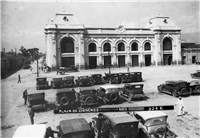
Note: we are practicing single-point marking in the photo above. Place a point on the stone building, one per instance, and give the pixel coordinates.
(70, 43)
(190, 53)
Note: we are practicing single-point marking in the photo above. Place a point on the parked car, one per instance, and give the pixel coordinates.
(84, 81)
(88, 96)
(57, 82)
(118, 125)
(136, 76)
(125, 77)
(65, 99)
(68, 81)
(63, 70)
(26, 66)
(37, 100)
(113, 78)
(130, 91)
(96, 78)
(41, 82)
(109, 93)
(195, 86)
(175, 88)
(75, 128)
(34, 131)
(153, 124)
(196, 74)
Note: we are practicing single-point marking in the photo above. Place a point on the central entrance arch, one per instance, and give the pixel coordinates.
(67, 51)
(167, 51)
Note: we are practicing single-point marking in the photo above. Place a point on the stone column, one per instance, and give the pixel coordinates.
(114, 61)
(81, 52)
(128, 62)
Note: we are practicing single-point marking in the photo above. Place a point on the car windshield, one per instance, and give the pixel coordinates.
(89, 92)
(155, 121)
(41, 79)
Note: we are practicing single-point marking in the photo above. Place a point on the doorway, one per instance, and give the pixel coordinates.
(121, 61)
(167, 59)
(147, 60)
(67, 61)
(193, 59)
(183, 60)
(92, 62)
(107, 61)
(135, 62)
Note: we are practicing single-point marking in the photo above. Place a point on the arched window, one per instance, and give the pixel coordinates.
(92, 47)
(121, 47)
(67, 45)
(106, 47)
(167, 44)
(147, 46)
(134, 47)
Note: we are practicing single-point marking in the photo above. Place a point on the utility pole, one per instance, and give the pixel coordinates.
(37, 64)
(109, 63)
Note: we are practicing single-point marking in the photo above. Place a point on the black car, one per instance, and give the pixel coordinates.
(196, 74)
(109, 93)
(136, 76)
(175, 88)
(65, 99)
(125, 77)
(132, 91)
(88, 96)
(68, 81)
(96, 78)
(37, 100)
(41, 82)
(195, 86)
(112, 78)
(63, 70)
(84, 81)
(57, 82)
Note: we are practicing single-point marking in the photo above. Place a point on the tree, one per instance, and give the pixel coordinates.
(24, 52)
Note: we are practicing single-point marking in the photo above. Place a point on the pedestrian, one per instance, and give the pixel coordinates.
(180, 106)
(50, 133)
(92, 134)
(19, 79)
(31, 114)
(128, 69)
(25, 95)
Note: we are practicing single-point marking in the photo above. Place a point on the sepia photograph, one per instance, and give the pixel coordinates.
(100, 69)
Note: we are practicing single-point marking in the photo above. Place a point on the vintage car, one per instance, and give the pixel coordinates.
(63, 70)
(109, 93)
(132, 91)
(112, 78)
(125, 77)
(57, 82)
(37, 100)
(153, 124)
(88, 96)
(65, 99)
(84, 81)
(136, 76)
(75, 128)
(41, 82)
(117, 125)
(31, 131)
(175, 88)
(195, 86)
(68, 81)
(196, 74)
(96, 78)
(26, 66)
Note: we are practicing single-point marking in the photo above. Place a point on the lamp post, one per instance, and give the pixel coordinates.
(37, 63)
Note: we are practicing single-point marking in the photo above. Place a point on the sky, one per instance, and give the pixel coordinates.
(23, 22)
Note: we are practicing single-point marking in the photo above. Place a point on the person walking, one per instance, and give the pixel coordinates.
(31, 114)
(19, 79)
(128, 69)
(25, 95)
(180, 106)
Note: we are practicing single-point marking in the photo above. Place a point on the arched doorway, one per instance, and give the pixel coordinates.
(167, 51)
(107, 59)
(67, 46)
(92, 59)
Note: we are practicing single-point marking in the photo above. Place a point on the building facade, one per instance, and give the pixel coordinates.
(70, 43)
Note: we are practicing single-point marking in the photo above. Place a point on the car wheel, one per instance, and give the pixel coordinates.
(64, 101)
(197, 90)
(184, 90)
(89, 101)
(139, 78)
(174, 93)
(159, 132)
(113, 96)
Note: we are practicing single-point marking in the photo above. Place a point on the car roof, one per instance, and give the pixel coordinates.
(94, 74)
(120, 117)
(64, 90)
(41, 77)
(109, 86)
(128, 84)
(150, 114)
(74, 125)
(34, 131)
(87, 88)
(175, 81)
